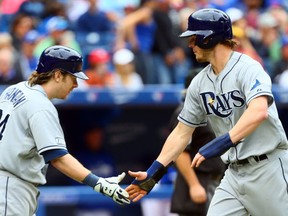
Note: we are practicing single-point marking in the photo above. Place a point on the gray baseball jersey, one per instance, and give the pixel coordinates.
(222, 100)
(29, 125)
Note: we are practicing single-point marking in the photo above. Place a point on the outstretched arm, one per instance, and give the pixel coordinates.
(174, 145)
(72, 168)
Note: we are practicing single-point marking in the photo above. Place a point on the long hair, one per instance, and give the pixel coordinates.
(232, 43)
(41, 78)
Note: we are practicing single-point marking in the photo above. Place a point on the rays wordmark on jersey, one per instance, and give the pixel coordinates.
(222, 105)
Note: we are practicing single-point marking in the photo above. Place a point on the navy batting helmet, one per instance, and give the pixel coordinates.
(63, 58)
(210, 26)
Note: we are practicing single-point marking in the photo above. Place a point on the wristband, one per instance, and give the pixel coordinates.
(91, 180)
(216, 147)
(155, 172)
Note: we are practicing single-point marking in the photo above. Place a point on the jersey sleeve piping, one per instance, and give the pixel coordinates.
(51, 147)
(267, 93)
(190, 123)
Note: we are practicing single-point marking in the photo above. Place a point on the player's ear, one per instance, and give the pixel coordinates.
(57, 75)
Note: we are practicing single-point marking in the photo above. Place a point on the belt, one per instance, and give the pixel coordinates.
(246, 161)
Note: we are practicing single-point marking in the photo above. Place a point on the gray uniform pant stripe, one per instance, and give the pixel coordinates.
(6, 194)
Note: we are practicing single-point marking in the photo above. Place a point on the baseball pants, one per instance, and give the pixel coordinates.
(17, 197)
(256, 188)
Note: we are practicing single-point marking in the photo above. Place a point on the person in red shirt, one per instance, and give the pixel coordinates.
(98, 69)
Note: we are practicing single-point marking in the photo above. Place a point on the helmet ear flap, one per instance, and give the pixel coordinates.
(208, 42)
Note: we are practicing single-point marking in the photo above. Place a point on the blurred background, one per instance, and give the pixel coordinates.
(118, 120)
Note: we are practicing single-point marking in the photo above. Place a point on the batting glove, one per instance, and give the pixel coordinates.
(109, 187)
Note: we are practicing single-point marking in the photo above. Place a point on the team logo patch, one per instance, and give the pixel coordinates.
(257, 83)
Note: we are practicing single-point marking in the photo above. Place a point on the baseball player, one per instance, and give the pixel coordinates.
(31, 137)
(234, 94)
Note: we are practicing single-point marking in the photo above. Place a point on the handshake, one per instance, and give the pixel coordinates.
(141, 186)
(110, 187)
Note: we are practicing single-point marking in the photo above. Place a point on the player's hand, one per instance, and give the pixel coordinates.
(110, 187)
(197, 160)
(198, 194)
(134, 191)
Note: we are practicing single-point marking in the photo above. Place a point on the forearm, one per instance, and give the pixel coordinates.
(175, 143)
(71, 167)
(183, 164)
(256, 113)
(138, 16)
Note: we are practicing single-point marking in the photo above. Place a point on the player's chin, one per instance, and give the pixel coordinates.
(200, 59)
(67, 94)
(63, 97)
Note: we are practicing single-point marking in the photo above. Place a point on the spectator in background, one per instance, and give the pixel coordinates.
(280, 14)
(181, 25)
(240, 33)
(282, 79)
(59, 34)
(27, 60)
(15, 69)
(75, 8)
(268, 44)
(20, 25)
(252, 10)
(98, 69)
(280, 69)
(8, 74)
(95, 20)
(189, 6)
(5, 40)
(8, 9)
(95, 28)
(33, 8)
(136, 31)
(222, 5)
(51, 8)
(125, 75)
(171, 65)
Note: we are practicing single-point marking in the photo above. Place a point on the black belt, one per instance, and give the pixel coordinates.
(256, 158)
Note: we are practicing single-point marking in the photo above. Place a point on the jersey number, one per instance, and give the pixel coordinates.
(3, 123)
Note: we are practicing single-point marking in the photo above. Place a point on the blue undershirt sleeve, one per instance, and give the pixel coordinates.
(53, 154)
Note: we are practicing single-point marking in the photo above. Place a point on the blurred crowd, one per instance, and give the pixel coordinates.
(130, 43)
